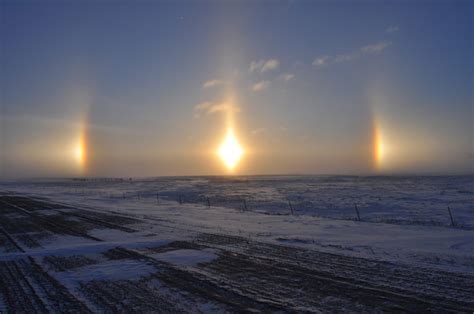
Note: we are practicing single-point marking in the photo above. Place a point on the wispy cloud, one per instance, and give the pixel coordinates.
(270, 65)
(264, 65)
(346, 57)
(321, 61)
(208, 107)
(260, 86)
(286, 77)
(371, 49)
(256, 65)
(203, 105)
(375, 48)
(392, 29)
(222, 107)
(212, 83)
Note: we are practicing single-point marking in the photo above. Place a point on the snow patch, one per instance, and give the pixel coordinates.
(111, 270)
(64, 241)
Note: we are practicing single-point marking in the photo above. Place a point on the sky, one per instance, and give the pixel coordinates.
(151, 88)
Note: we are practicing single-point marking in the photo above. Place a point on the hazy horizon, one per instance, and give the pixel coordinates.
(230, 176)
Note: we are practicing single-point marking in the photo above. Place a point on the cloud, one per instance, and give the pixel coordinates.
(264, 65)
(212, 83)
(321, 61)
(260, 86)
(328, 60)
(256, 65)
(203, 106)
(346, 57)
(371, 49)
(222, 107)
(270, 65)
(375, 48)
(286, 77)
(208, 107)
(392, 29)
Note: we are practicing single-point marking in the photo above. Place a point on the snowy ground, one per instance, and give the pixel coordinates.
(396, 200)
(156, 244)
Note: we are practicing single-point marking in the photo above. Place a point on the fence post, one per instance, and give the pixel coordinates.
(451, 216)
(291, 207)
(357, 211)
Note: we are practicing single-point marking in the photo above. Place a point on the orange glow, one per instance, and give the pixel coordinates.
(80, 149)
(79, 153)
(230, 150)
(378, 146)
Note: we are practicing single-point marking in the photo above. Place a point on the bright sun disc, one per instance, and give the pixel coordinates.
(79, 153)
(230, 150)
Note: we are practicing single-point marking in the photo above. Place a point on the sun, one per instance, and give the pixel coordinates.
(379, 147)
(79, 153)
(379, 150)
(230, 150)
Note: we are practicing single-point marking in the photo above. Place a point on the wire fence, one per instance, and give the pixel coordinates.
(374, 206)
(288, 207)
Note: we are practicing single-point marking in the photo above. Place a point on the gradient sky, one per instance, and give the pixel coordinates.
(313, 87)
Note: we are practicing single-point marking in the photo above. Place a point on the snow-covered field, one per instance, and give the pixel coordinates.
(395, 200)
(204, 240)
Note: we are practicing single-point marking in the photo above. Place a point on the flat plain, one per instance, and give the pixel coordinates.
(247, 244)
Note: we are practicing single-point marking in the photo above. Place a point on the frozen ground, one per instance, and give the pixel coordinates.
(219, 244)
(395, 200)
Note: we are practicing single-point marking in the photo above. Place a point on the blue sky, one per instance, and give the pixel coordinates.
(316, 86)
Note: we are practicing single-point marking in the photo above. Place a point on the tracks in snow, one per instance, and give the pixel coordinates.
(29, 220)
(309, 278)
(246, 276)
(27, 288)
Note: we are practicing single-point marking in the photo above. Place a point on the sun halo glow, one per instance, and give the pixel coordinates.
(230, 150)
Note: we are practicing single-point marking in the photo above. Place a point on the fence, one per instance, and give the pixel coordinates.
(280, 207)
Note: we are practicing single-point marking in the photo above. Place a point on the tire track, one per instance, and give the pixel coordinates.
(33, 204)
(27, 288)
(378, 278)
(11, 241)
(52, 226)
